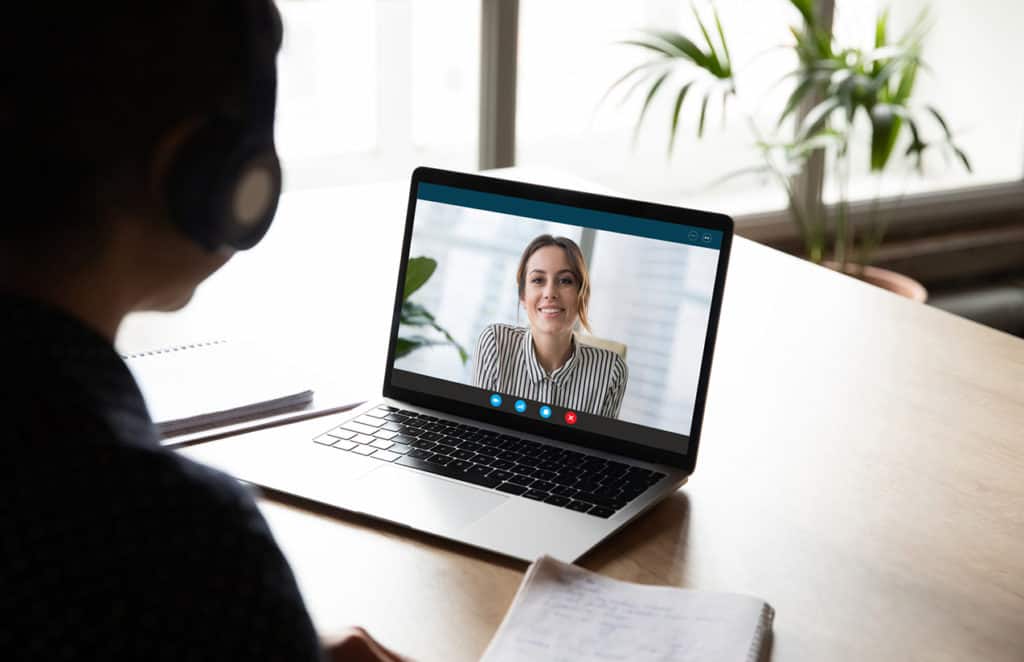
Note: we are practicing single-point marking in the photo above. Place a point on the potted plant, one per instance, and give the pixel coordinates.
(836, 85)
(417, 273)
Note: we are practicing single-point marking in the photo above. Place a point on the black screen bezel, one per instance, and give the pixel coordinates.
(653, 211)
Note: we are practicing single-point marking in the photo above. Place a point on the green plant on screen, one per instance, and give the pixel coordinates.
(417, 273)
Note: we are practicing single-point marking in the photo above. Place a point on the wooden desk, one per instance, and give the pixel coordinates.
(861, 467)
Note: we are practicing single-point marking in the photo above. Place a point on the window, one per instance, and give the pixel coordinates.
(973, 51)
(568, 58)
(368, 89)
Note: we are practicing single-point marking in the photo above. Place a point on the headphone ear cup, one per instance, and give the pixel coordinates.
(223, 186)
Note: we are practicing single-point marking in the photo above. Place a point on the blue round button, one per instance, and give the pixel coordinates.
(545, 412)
(495, 400)
(520, 406)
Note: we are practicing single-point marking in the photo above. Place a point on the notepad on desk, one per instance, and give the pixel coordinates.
(564, 613)
(210, 384)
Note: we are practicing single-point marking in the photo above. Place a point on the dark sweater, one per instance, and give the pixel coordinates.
(113, 548)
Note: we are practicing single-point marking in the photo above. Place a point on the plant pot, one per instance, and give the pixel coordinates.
(897, 283)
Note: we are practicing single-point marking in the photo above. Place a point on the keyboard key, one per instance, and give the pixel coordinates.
(579, 506)
(370, 420)
(384, 434)
(363, 439)
(464, 476)
(511, 488)
(383, 444)
(540, 474)
(500, 475)
(403, 439)
(326, 440)
(388, 408)
(608, 492)
(563, 490)
(425, 445)
(444, 449)
(440, 460)
(360, 428)
(345, 445)
(460, 464)
(502, 464)
(341, 433)
(536, 495)
(394, 427)
(419, 454)
(480, 458)
(543, 485)
(600, 511)
(430, 436)
(364, 450)
(525, 481)
(556, 500)
(386, 456)
(565, 478)
(461, 454)
(378, 413)
(478, 469)
(399, 448)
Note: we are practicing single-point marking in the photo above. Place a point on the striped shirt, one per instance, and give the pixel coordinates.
(592, 380)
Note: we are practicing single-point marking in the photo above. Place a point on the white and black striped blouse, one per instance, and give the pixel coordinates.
(593, 380)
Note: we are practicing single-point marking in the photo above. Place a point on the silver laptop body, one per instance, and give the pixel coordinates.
(369, 461)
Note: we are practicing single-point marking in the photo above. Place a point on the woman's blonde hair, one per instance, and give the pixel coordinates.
(577, 265)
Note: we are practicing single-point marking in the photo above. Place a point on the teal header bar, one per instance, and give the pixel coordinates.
(588, 218)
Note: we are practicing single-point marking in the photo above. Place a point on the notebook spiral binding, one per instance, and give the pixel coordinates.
(175, 348)
(761, 635)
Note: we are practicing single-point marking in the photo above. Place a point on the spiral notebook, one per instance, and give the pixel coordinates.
(564, 613)
(211, 384)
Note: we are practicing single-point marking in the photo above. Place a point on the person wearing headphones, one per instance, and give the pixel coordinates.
(138, 157)
(544, 362)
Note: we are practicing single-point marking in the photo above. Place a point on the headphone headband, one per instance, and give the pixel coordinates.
(224, 183)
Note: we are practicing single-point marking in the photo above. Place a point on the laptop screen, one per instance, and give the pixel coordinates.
(557, 315)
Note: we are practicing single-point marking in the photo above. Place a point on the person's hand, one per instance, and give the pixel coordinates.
(356, 645)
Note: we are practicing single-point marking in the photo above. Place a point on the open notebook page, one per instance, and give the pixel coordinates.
(564, 613)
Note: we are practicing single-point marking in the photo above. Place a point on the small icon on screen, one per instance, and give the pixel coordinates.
(570, 417)
(520, 406)
(495, 400)
(706, 238)
(692, 235)
(545, 411)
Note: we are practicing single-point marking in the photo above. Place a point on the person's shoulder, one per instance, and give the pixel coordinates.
(500, 331)
(197, 486)
(604, 356)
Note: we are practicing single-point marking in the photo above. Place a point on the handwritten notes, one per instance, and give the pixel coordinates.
(563, 613)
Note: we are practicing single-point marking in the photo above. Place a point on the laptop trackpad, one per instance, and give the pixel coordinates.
(421, 501)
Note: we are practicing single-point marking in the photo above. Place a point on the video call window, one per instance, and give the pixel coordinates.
(603, 323)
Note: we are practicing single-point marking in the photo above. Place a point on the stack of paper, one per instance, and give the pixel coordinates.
(563, 613)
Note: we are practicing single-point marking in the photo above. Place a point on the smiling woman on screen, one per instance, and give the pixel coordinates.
(545, 362)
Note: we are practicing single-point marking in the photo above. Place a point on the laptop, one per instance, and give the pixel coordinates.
(546, 376)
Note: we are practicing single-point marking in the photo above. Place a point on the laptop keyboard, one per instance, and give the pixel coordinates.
(502, 462)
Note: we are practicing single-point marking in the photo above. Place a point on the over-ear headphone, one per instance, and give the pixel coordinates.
(224, 182)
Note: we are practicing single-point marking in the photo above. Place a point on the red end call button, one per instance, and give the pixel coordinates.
(570, 417)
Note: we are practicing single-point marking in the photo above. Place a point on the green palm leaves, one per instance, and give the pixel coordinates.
(417, 273)
(709, 60)
(837, 93)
